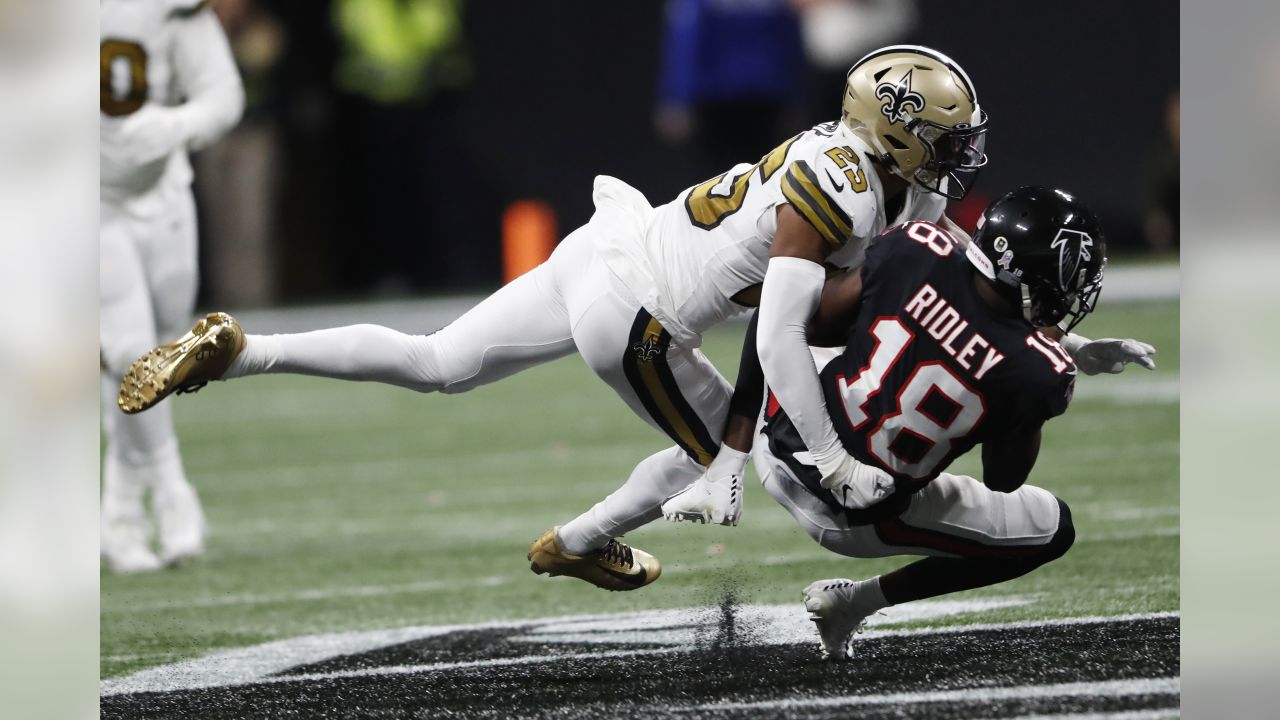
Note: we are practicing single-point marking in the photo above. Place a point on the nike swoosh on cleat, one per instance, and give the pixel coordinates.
(628, 578)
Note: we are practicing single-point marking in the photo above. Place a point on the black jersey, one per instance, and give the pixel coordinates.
(929, 372)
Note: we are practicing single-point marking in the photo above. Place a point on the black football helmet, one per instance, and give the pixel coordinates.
(1044, 252)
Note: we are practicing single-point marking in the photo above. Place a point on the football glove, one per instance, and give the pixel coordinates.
(1107, 355)
(716, 496)
(856, 485)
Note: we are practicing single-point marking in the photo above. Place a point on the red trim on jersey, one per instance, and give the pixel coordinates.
(771, 406)
(898, 403)
(911, 337)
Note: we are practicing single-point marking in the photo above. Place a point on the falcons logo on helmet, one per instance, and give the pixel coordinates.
(899, 98)
(1072, 256)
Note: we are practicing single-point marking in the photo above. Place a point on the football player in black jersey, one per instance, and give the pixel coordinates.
(947, 347)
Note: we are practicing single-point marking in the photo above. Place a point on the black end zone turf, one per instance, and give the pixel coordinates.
(676, 683)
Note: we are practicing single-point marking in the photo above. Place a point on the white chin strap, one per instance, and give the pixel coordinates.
(1026, 303)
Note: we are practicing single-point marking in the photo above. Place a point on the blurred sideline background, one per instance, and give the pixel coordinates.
(385, 141)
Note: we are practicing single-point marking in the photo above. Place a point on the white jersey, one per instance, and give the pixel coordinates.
(702, 257)
(160, 52)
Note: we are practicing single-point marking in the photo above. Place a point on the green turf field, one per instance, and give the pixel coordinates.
(338, 506)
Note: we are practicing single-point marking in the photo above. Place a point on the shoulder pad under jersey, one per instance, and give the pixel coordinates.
(829, 189)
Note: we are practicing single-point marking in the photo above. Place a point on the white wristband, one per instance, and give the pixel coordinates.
(1072, 342)
(728, 462)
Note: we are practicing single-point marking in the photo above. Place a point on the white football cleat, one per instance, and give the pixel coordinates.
(833, 608)
(125, 549)
(705, 501)
(181, 521)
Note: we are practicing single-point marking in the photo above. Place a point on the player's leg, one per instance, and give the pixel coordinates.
(974, 536)
(521, 325)
(126, 330)
(675, 390)
(169, 251)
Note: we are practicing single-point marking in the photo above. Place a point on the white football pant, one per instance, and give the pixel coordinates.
(952, 516)
(570, 302)
(147, 290)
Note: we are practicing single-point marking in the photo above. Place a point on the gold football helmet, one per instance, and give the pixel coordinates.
(918, 111)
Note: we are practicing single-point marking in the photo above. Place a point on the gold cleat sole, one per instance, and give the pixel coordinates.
(184, 365)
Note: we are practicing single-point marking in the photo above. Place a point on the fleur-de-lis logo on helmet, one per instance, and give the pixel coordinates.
(898, 98)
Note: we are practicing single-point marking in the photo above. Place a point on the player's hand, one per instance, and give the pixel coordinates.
(856, 485)
(1110, 355)
(150, 134)
(716, 496)
(716, 501)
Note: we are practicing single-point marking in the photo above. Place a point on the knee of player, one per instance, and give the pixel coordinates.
(1065, 536)
(435, 367)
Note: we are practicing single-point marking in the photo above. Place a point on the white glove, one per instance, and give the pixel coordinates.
(152, 133)
(855, 485)
(716, 496)
(1108, 355)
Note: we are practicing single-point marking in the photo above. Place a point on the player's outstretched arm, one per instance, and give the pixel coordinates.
(1107, 355)
(789, 299)
(788, 302)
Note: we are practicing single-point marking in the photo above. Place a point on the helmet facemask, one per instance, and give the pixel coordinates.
(917, 110)
(1044, 305)
(953, 155)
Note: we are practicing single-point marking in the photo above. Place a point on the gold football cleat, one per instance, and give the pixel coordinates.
(616, 566)
(184, 365)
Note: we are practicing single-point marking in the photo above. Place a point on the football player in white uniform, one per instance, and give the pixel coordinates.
(169, 85)
(633, 290)
(914, 117)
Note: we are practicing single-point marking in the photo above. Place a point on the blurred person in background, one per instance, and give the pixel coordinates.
(401, 67)
(730, 69)
(838, 32)
(1161, 183)
(237, 177)
(168, 86)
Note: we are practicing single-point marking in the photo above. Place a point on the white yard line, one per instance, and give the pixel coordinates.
(496, 662)
(1123, 715)
(1122, 536)
(313, 594)
(1120, 512)
(1134, 387)
(1107, 688)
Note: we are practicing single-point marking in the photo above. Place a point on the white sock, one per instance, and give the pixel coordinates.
(638, 502)
(180, 518)
(355, 352)
(868, 596)
(122, 492)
